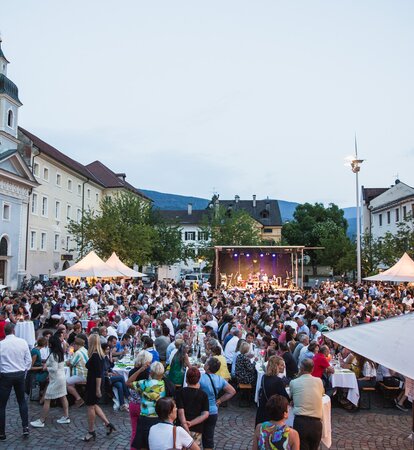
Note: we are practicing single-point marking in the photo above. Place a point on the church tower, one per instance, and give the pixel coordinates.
(9, 105)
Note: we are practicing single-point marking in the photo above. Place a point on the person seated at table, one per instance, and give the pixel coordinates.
(347, 360)
(193, 406)
(308, 352)
(179, 362)
(74, 332)
(245, 369)
(274, 433)
(270, 384)
(116, 380)
(321, 367)
(290, 364)
(165, 434)
(368, 372)
(79, 372)
(223, 371)
(122, 346)
(236, 354)
(148, 345)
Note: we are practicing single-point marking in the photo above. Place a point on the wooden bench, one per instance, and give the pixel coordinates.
(246, 391)
(368, 391)
(389, 393)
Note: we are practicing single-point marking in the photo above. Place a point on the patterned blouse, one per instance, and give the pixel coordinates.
(151, 391)
(273, 437)
(245, 370)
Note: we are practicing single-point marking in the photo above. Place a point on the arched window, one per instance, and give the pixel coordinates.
(3, 247)
(10, 118)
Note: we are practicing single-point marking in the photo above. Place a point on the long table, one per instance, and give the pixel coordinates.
(345, 378)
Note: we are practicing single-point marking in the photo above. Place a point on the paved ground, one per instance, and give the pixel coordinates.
(382, 429)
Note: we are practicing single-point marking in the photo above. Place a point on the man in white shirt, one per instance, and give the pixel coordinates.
(15, 360)
(231, 345)
(93, 304)
(123, 324)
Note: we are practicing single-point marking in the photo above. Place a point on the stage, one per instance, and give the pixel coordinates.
(259, 267)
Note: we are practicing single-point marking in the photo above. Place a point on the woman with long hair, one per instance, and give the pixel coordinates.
(95, 366)
(178, 364)
(270, 384)
(57, 383)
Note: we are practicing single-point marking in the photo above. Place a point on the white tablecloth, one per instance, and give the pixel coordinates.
(346, 379)
(26, 331)
(201, 369)
(84, 323)
(260, 374)
(123, 371)
(326, 421)
(68, 316)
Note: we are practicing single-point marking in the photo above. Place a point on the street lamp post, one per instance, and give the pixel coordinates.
(356, 167)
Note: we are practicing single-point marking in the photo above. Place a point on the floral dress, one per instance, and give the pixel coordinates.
(273, 437)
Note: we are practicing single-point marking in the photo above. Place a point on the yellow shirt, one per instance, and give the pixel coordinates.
(223, 371)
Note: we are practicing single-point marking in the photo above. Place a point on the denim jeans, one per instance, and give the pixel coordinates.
(119, 383)
(15, 380)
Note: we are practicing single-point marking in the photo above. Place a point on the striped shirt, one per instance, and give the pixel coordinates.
(78, 362)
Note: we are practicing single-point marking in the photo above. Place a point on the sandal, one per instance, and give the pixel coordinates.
(91, 436)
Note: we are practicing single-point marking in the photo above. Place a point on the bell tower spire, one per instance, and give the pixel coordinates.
(9, 105)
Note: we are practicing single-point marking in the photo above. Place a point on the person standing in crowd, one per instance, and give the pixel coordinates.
(95, 366)
(57, 383)
(212, 384)
(139, 372)
(270, 384)
(274, 433)
(193, 406)
(179, 363)
(15, 360)
(307, 392)
(165, 434)
(162, 341)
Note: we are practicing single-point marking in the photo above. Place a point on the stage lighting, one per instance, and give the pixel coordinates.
(247, 254)
(235, 255)
(261, 255)
(273, 255)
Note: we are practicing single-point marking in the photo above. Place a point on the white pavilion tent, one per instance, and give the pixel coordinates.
(90, 266)
(402, 271)
(117, 264)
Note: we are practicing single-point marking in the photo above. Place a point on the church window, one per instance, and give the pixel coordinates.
(46, 174)
(58, 179)
(43, 241)
(33, 240)
(3, 247)
(69, 185)
(10, 118)
(6, 211)
(44, 206)
(34, 203)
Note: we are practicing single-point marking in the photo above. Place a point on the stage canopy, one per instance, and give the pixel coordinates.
(90, 266)
(388, 342)
(118, 265)
(402, 271)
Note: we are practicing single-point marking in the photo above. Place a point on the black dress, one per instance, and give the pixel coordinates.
(270, 385)
(95, 366)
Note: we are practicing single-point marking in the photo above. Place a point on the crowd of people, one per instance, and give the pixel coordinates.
(192, 348)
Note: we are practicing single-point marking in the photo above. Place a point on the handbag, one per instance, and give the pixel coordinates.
(263, 391)
(174, 439)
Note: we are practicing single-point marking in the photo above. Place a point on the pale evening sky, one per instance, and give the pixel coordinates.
(249, 97)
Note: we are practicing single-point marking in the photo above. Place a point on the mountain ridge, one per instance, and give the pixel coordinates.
(167, 201)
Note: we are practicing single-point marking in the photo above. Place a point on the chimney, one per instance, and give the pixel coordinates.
(190, 209)
(267, 204)
(121, 176)
(236, 199)
(254, 201)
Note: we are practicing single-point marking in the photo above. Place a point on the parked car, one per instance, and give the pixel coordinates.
(191, 278)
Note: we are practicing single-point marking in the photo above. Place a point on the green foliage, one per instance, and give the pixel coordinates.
(127, 225)
(386, 250)
(223, 227)
(317, 226)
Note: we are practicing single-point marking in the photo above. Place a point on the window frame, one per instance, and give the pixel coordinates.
(4, 207)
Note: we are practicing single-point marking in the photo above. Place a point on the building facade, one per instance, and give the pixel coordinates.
(384, 209)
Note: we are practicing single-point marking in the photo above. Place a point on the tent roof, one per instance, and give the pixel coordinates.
(387, 342)
(118, 265)
(90, 266)
(402, 271)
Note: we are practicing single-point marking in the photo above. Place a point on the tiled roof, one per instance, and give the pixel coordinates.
(369, 194)
(266, 211)
(110, 179)
(181, 216)
(54, 153)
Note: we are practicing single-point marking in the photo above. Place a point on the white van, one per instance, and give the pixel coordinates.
(191, 278)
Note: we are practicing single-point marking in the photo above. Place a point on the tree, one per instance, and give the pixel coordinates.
(228, 227)
(127, 225)
(317, 226)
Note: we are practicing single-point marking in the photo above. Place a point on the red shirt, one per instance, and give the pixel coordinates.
(2, 333)
(320, 363)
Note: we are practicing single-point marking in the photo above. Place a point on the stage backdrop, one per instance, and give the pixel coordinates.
(253, 262)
